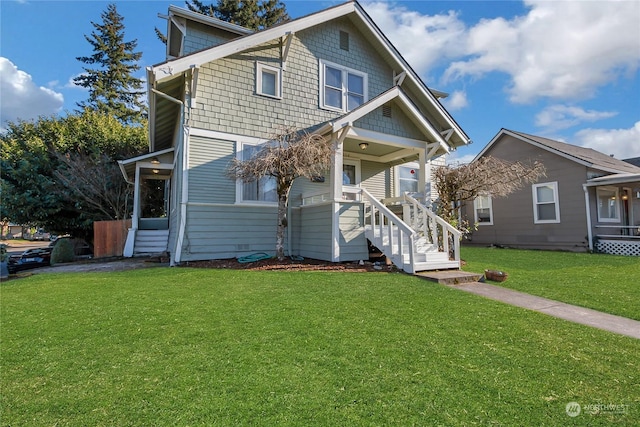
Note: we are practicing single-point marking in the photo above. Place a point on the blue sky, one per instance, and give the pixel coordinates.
(567, 70)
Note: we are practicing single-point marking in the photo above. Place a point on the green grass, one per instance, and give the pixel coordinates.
(178, 347)
(602, 282)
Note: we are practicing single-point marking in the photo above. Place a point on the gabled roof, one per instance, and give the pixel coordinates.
(361, 19)
(208, 20)
(635, 161)
(394, 94)
(585, 156)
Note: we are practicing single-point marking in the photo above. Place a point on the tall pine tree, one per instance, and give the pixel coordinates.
(252, 14)
(113, 89)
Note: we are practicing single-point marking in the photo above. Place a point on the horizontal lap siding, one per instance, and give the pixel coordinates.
(353, 243)
(208, 162)
(315, 234)
(376, 179)
(217, 232)
(513, 222)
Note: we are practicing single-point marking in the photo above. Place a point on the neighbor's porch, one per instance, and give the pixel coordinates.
(613, 214)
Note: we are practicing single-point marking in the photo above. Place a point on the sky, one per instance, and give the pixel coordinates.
(566, 70)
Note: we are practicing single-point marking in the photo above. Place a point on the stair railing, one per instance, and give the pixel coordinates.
(433, 228)
(384, 223)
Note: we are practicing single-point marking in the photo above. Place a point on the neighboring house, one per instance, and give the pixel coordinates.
(224, 90)
(587, 201)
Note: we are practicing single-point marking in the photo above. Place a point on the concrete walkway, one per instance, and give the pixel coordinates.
(572, 313)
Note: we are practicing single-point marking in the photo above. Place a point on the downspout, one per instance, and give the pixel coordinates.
(588, 207)
(182, 142)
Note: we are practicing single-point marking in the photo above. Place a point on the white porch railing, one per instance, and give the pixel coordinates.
(389, 233)
(434, 229)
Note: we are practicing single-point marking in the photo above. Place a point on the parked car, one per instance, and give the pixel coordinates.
(40, 234)
(31, 258)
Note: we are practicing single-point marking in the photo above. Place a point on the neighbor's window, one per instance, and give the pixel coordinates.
(608, 205)
(341, 88)
(483, 210)
(262, 190)
(545, 203)
(408, 179)
(268, 80)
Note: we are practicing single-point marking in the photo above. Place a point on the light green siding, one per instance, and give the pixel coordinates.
(376, 178)
(218, 232)
(227, 101)
(208, 162)
(200, 36)
(315, 233)
(353, 243)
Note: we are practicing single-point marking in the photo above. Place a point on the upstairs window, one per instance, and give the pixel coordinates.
(341, 88)
(268, 80)
(263, 190)
(545, 203)
(483, 210)
(608, 205)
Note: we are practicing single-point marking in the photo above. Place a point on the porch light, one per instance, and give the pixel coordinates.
(363, 145)
(155, 161)
(625, 197)
(156, 171)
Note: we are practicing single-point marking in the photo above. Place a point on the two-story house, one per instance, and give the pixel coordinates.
(224, 90)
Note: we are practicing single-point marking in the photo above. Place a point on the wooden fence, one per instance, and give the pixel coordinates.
(109, 238)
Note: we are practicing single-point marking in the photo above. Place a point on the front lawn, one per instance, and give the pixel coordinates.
(181, 346)
(602, 282)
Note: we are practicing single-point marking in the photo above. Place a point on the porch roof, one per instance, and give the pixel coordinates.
(128, 166)
(614, 179)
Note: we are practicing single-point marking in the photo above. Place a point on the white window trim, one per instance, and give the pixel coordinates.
(345, 70)
(356, 163)
(260, 67)
(475, 210)
(554, 185)
(617, 198)
(240, 144)
(396, 178)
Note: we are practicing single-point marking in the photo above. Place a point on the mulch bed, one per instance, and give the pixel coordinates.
(293, 265)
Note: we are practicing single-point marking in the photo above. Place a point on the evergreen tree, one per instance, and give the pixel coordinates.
(252, 14)
(113, 89)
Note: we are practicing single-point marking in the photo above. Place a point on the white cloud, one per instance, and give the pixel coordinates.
(556, 117)
(622, 143)
(456, 101)
(22, 98)
(559, 50)
(423, 40)
(455, 159)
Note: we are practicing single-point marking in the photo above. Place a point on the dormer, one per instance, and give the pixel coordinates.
(189, 31)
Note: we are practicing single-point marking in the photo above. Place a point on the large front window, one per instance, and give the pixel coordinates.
(341, 88)
(262, 190)
(545, 203)
(608, 204)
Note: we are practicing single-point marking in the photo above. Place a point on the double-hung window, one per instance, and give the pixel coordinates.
(608, 204)
(483, 210)
(545, 203)
(341, 88)
(262, 190)
(268, 80)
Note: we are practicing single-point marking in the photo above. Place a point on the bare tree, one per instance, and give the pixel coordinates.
(290, 154)
(96, 181)
(485, 176)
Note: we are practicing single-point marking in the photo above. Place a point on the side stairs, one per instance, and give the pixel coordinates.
(450, 277)
(150, 242)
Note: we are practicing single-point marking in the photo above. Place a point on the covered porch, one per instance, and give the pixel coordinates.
(150, 174)
(613, 214)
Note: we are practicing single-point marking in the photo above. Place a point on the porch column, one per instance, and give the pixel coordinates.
(422, 176)
(587, 205)
(336, 197)
(136, 199)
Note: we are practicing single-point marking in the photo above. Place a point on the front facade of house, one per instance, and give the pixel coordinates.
(224, 91)
(585, 199)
